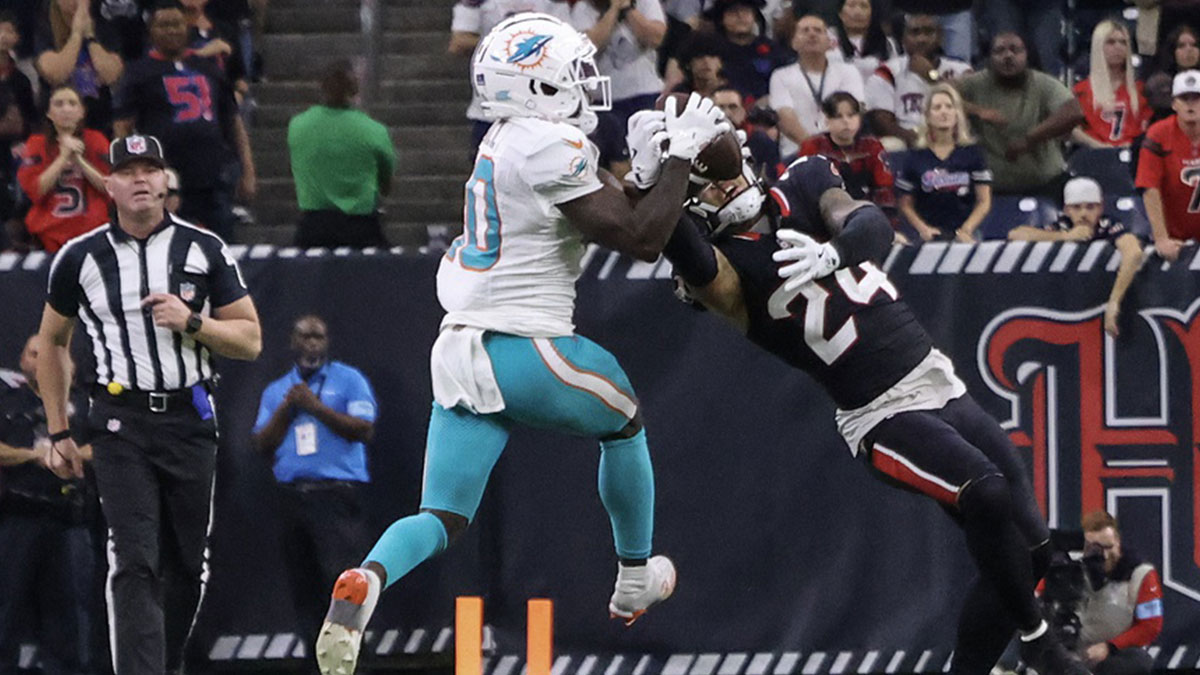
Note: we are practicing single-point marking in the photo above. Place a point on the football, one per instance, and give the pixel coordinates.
(721, 159)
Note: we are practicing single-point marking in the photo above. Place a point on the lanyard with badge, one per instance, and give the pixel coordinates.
(818, 92)
(306, 432)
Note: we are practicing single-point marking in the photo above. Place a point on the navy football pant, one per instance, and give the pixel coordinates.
(961, 458)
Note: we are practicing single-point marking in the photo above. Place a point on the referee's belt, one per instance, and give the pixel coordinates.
(154, 401)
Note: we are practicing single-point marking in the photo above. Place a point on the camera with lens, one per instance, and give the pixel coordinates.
(1067, 580)
(1063, 596)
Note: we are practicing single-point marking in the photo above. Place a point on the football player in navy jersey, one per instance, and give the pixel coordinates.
(831, 312)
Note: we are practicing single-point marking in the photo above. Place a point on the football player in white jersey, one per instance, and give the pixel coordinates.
(507, 353)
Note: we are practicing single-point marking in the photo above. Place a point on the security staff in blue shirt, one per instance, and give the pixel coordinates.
(315, 420)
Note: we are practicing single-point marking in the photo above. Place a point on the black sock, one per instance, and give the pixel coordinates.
(999, 549)
(633, 562)
(984, 630)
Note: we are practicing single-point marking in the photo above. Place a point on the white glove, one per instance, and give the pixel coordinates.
(809, 259)
(695, 127)
(741, 136)
(647, 133)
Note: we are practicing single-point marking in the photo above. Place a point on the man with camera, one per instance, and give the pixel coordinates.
(1121, 611)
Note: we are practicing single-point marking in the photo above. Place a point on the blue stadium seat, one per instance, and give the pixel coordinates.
(1132, 212)
(1109, 166)
(1009, 211)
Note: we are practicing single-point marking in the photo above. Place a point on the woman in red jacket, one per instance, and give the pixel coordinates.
(62, 171)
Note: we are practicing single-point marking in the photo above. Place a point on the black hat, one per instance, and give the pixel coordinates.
(125, 150)
(717, 10)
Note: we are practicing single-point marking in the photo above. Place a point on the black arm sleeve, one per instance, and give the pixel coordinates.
(866, 235)
(690, 254)
(62, 292)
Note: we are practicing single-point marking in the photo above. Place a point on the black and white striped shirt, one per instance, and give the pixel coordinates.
(102, 277)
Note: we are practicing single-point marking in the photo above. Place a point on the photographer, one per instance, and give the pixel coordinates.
(1121, 610)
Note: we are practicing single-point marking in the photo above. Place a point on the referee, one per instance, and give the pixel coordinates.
(157, 296)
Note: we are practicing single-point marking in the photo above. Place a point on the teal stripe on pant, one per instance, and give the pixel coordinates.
(572, 385)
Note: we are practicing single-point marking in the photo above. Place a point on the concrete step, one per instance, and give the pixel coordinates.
(431, 162)
(456, 90)
(328, 43)
(294, 92)
(307, 66)
(418, 42)
(441, 188)
(273, 234)
(451, 138)
(426, 67)
(317, 18)
(275, 190)
(426, 211)
(427, 16)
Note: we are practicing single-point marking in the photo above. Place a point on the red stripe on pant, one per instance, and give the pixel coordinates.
(900, 472)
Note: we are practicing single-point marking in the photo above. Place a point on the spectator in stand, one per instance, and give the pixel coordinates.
(703, 71)
(1082, 219)
(625, 33)
(857, 38)
(28, 15)
(955, 20)
(798, 90)
(250, 16)
(1115, 110)
(342, 162)
(860, 157)
(1041, 20)
(216, 40)
(17, 111)
(72, 49)
(945, 185)
(1181, 51)
(187, 103)
(1167, 169)
(123, 20)
(473, 19)
(683, 18)
(749, 57)
(62, 172)
(1019, 114)
(762, 140)
(897, 91)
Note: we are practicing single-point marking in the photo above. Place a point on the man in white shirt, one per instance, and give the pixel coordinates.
(896, 92)
(797, 90)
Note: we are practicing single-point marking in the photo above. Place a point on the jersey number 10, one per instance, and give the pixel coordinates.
(478, 247)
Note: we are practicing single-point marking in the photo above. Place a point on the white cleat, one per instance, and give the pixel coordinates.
(350, 609)
(640, 587)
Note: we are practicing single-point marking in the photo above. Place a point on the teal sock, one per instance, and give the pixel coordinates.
(627, 491)
(407, 543)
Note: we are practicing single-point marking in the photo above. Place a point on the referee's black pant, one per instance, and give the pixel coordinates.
(155, 476)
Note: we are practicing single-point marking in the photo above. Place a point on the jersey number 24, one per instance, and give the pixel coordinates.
(816, 308)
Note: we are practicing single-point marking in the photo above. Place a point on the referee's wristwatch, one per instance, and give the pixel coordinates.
(193, 324)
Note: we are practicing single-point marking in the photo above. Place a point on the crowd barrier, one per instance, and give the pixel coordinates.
(791, 558)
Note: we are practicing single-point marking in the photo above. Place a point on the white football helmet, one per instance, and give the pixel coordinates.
(534, 65)
(740, 207)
